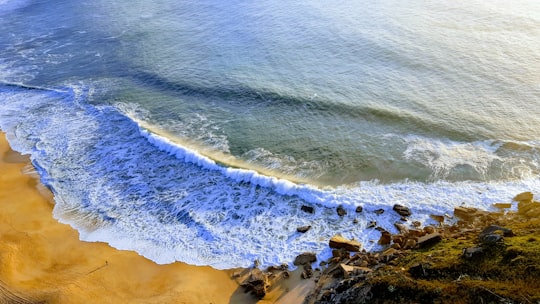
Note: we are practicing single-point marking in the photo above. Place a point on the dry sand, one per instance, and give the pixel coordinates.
(42, 260)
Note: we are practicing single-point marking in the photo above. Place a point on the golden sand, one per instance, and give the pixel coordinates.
(42, 260)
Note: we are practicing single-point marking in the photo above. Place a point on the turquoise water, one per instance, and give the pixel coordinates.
(180, 130)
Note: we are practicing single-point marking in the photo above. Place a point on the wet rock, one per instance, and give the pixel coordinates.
(372, 224)
(341, 211)
(526, 197)
(359, 209)
(338, 242)
(257, 283)
(386, 238)
(307, 209)
(428, 240)
(355, 221)
(303, 229)
(379, 211)
(305, 258)
(402, 210)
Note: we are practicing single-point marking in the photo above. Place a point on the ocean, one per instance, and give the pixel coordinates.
(195, 131)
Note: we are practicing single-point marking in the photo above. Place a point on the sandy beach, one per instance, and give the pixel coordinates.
(43, 261)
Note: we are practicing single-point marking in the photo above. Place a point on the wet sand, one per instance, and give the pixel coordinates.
(42, 260)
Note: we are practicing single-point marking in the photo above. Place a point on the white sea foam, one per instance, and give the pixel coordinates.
(116, 182)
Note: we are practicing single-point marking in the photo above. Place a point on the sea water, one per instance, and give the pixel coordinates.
(195, 131)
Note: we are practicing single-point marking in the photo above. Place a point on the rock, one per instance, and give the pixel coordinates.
(303, 229)
(379, 211)
(472, 252)
(465, 213)
(372, 224)
(419, 270)
(438, 218)
(494, 228)
(410, 244)
(307, 209)
(305, 258)
(502, 205)
(401, 228)
(257, 282)
(526, 197)
(429, 229)
(402, 210)
(416, 224)
(341, 211)
(355, 221)
(307, 273)
(359, 209)
(386, 238)
(428, 239)
(338, 242)
(349, 271)
(490, 238)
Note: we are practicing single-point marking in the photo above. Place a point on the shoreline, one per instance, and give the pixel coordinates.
(42, 260)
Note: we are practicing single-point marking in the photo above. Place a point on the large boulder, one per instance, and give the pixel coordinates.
(338, 242)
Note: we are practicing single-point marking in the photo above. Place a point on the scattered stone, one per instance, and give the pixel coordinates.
(386, 238)
(465, 213)
(372, 224)
(429, 229)
(472, 252)
(416, 224)
(303, 229)
(502, 205)
(526, 197)
(305, 258)
(410, 244)
(402, 210)
(401, 228)
(338, 242)
(438, 218)
(257, 283)
(490, 238)
(349, 270)
(307, 273)
(359, 209)
(307, 209)
(494, 228)
(429, 239)
(355, 221)
(379, 211)
(341, 211)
